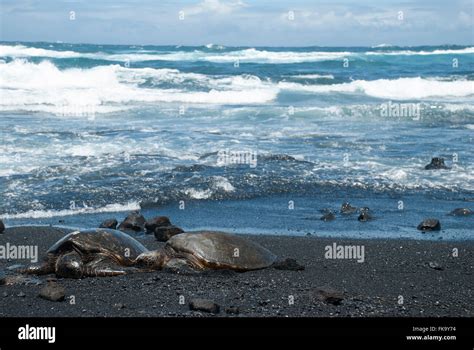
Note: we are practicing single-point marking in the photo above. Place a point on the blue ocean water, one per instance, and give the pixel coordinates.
(253, 140)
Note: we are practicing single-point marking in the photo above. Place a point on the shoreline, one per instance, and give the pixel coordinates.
(424, 273)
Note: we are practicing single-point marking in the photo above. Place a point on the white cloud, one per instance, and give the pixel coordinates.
(214, 6)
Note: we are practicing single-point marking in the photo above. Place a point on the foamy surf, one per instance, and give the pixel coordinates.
(398, 89)
(221, 54)
(41, 214)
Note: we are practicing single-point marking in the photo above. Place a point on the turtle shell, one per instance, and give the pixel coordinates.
(217, 250)
(113, 243)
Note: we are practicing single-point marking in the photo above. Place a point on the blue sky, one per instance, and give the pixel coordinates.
(240, 22)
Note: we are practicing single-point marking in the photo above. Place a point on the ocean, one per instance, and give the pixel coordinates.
(241, 139)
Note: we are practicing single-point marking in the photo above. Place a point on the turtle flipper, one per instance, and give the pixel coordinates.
(103, 266)
(102, 272)
(37, 269)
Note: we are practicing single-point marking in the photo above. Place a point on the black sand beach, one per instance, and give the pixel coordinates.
(395, 279)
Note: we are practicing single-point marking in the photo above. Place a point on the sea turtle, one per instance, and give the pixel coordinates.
(207, 250)
(106, 252)
(98, 252)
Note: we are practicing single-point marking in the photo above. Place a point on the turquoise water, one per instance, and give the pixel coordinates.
(99, 129)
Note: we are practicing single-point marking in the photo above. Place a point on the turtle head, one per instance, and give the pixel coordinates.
(154, 259)
(69, 266)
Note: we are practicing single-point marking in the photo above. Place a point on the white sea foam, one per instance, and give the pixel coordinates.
(41, 214)
(467, 50)
(222, 183)
(312, 76)
(198, 194)
(18, 51)
(245, 55)
(43, 87)
(402, 88)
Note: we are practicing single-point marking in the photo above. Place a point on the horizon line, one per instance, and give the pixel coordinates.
(232, 46)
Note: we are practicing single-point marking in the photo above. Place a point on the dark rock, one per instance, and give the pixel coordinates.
(233, 310)
(53, 292)
(329, 295)
(164, 233)
(429, 225)
(328, 216)
(21, 295)
(461, 212)
(120, 306)
(435, 266)
(158, 221)
(205, 305)
(133, 222)
(347, 208)
(2, 226)
(109, 223)
(3, 278)
(288, 264)
(436, 163)
(365, 215)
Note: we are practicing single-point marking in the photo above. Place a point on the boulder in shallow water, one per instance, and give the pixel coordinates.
(109, 223)
(164, 233)
(328, 216)
(365, 215)
(429, 225)
(461, 212)
(133, 222)
(347, 208)
(158, 221)
(436, 163)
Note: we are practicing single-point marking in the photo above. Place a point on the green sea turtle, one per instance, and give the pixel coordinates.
(106, 252)
(208, 250)
(98, 252)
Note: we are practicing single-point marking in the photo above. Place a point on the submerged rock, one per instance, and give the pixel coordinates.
(328, 216)
(347, 208)
(205, 305)
(133, 222)
(365, 215)
(461, 212)
(288, 264)
(158, 221)
(436, 163)
(429, 225)
(109, 223)
(164, 233)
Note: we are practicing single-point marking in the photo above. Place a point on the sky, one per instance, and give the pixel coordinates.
(240, 22)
